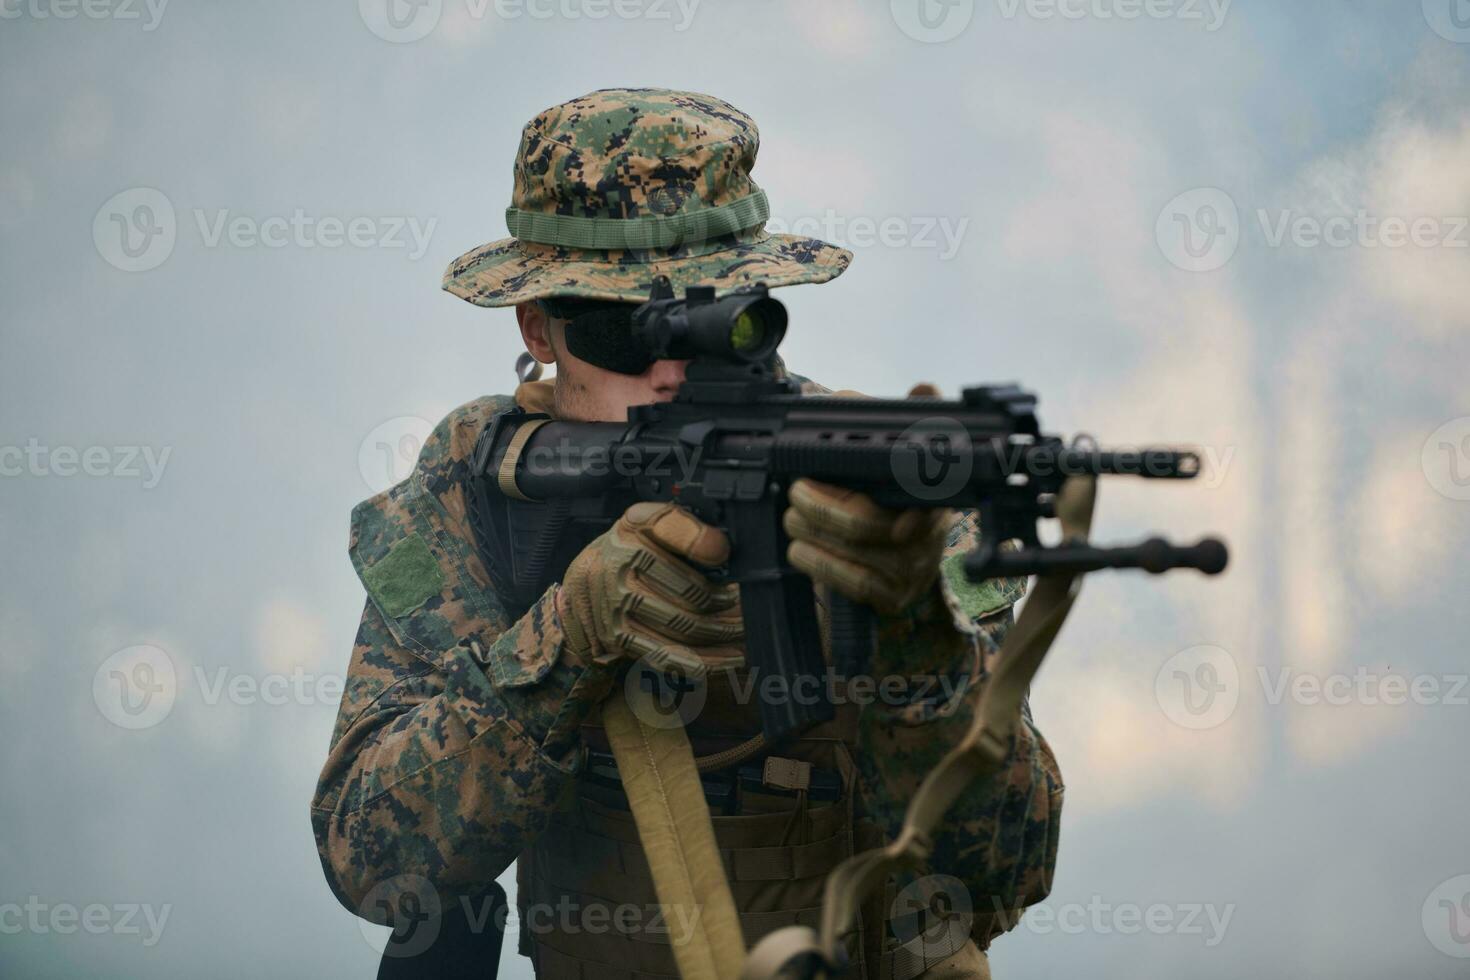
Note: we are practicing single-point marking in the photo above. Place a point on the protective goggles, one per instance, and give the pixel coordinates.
(601, 333)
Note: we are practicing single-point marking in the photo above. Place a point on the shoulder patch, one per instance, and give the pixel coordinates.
(405, 578)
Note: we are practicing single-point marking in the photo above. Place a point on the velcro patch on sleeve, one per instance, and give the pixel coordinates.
(977, 599)
(405, 578)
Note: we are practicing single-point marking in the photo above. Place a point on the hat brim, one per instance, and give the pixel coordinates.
(507, 272)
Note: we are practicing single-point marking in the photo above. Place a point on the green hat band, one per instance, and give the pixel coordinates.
(648, 231)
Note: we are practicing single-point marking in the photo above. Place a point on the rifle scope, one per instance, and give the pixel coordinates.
(745, 326)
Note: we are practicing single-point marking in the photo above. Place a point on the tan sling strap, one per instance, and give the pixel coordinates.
(661, 780)
(656, 765)
(982, 752)
(506, 476)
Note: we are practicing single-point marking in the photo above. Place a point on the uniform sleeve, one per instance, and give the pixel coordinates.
(457, 732)
(430, 773)
(1000, 838)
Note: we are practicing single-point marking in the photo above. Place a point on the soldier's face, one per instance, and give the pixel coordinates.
(585, 392)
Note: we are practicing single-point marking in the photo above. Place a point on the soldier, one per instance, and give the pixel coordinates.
(469, 734)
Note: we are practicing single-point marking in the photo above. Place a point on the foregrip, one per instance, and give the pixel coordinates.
(1153, 555)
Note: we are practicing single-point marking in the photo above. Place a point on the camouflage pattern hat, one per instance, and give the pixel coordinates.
(616, 187)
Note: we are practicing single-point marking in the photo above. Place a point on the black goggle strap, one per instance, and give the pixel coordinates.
(603, 337)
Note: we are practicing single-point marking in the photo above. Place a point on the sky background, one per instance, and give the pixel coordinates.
(1130, 206)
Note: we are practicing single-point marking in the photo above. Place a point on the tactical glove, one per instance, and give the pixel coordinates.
(842, 539)
(634, 593)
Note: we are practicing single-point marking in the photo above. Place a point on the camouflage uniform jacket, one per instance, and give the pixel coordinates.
(458, 734)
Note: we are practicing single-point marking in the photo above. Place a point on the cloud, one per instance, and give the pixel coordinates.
(1332, 530)
(806, 178)
(1188, 383)
(289, 635)
(1116, 747)
(1417, 170)
(1315, 608)
(1091, 198)
(1333, 734)
(460, 25)
(1352, 549)
(838, 29)
(1398, 522)
(1411, 166)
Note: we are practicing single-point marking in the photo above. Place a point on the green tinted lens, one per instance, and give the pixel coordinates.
(748, 332)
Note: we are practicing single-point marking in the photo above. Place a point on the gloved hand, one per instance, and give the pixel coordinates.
(634, 593)
(842, 539)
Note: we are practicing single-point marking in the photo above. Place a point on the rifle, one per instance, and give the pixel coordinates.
(734, 438)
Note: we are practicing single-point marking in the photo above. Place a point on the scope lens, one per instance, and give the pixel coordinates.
(748, 333)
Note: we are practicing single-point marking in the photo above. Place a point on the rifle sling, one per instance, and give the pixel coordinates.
(656, 765)
(505, 478)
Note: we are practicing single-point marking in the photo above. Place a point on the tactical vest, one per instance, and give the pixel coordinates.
(586, 903)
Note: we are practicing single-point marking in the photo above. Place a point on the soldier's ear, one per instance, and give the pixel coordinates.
(536, 331)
